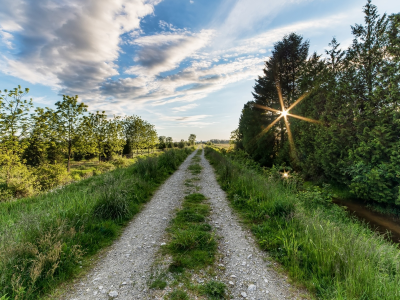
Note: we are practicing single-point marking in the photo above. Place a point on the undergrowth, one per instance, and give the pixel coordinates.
(320, 244)
(43, 238)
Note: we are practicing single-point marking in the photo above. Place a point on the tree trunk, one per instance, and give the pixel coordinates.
(69, 156)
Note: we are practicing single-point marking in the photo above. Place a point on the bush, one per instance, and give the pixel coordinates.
(51, 176)
(121, 162)
(105, 167)
(21, 182)
(112, 205)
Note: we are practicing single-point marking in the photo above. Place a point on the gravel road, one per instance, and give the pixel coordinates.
(124, 271)
(247, 272)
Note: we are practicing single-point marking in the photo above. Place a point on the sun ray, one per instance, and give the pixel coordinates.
(305, 119)
(298, 100)
(278, 87)
(284, 113)
(270, 126)
(267, 108)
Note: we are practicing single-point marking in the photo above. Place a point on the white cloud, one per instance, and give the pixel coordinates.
(69, 44)
(164, 52)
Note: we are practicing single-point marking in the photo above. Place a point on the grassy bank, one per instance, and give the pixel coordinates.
(333, 255)
(44, 239)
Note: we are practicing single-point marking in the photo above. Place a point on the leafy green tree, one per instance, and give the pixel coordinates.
(134, 130)
(67, 122)
(39, 138)
(15, 124)
(169, 142)
(162, 142)
(192, 139)
(150, 136)
(106, 135)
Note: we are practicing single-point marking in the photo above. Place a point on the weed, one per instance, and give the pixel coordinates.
(195, 198)
(159, 282)
(195, 168)
(214, 289)
(178, 295)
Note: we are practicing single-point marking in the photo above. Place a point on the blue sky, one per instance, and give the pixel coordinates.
(187, 66)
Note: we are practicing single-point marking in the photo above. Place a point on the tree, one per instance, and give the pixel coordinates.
(134, 129)
(182, 144)
(105, 134)
(169, 142)
(150, 136)
(162, 142)
(192, 139)
(14, 128)
(67, 124)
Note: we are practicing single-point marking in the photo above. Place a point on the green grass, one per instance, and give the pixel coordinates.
(178, 295)
(192, 245)
(195, 168)
(214, 290)
(43, 238)
(318, 243)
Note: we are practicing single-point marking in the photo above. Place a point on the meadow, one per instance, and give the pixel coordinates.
(45, 239)
(319, 244)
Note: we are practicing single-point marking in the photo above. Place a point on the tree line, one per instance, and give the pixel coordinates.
(353, 94)
(43, 141)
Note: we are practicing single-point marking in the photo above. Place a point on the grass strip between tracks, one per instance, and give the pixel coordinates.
(320, 244)
(44, 239)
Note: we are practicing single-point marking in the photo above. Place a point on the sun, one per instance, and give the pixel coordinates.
(284, 113)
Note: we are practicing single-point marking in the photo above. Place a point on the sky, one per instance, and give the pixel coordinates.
(186, 66)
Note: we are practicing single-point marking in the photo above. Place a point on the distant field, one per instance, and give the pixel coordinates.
(223, 146)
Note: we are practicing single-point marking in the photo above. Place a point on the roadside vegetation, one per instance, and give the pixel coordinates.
(345, 129)
(317, 242)
(40, 149)
(46, 238)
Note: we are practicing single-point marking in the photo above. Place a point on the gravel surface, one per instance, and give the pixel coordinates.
(248, 274)
(125, 269)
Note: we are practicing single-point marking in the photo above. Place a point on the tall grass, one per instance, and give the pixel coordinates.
(334, 255)
(43, 238)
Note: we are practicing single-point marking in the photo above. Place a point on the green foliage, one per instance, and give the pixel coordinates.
(67, 125)
(214, 289)
(192, 139)
(51, 176)
(331, 253)
(112, 205)
(355, 95)
(178, 295)
(18, 182)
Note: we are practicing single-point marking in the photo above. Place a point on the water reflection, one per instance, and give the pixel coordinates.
(377, 221)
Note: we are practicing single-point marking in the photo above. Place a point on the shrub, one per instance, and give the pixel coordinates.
(105, 167)
(51, 176)
(21, 182)
(121, 162)
(112, 205)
